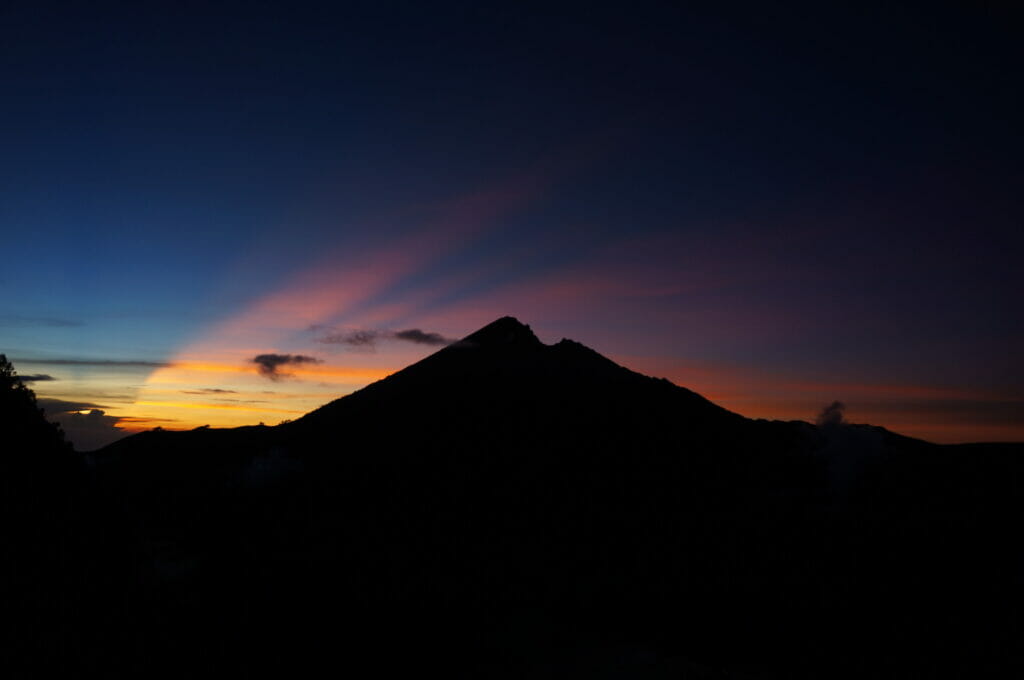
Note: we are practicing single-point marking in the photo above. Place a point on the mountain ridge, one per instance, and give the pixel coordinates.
(506, 350)
(541, 504)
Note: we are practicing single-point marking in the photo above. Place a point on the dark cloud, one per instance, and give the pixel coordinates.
(269, 365)
(357, 338)
(129, 420)
(362, 339)
(86, 425)
(91, 430)
(19, 320)
(832, 415)
(209, 390)
(107, 363)
(55, 406)
(421, 337)
(38, 377)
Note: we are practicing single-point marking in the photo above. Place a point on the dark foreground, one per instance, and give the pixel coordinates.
(507, 509)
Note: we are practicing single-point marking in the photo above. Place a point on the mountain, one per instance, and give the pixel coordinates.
(506, 508)
(503, 386)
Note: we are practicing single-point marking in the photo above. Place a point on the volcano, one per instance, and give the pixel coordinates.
(503, 377)
(507, 508)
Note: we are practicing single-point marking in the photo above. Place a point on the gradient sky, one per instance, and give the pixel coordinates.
(775, 207)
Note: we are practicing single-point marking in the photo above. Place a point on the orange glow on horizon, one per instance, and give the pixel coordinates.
(201, 405)
(165, 375)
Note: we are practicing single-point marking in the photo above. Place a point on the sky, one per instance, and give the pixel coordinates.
(231, 213)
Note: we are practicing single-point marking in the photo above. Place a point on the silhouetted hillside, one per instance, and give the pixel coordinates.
(506, 508)
(29, 439)
(61, 561)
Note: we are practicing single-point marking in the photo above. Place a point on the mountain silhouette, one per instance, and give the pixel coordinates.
(503, 372)
(507, 508)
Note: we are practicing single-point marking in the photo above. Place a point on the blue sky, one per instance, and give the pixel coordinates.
(776, 208)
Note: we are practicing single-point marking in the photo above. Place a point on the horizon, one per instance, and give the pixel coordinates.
(234, 215)
(83, 422)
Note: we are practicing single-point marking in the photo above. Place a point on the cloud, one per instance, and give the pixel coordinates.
(132, 420)
(38, 377)
(109, 363)
(209, 390)
(358, 339)
(269, 364)
(419, 337)
(832, 415)
(362, 339)
(86, 425)
(57, 406)
(221, 400)
(19, 320)
(91, 430)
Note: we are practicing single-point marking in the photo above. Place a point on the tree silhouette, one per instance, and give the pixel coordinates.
(30, 438)
(40, 478)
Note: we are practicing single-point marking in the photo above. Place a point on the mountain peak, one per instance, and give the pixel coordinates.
(506, 331)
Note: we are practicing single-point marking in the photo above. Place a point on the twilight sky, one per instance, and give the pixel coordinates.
(775, 208)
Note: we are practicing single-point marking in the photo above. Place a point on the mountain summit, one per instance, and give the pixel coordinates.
(504, 368)
(504, 332)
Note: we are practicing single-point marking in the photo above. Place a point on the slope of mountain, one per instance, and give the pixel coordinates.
(506, 508)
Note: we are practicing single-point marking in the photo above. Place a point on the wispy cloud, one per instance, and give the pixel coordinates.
(52, 322)
(38, 377)
(209, 390)
(369, 339)
(354, 338)
(54, 406)
(219, 405)
(102, 363)
(415, 335)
